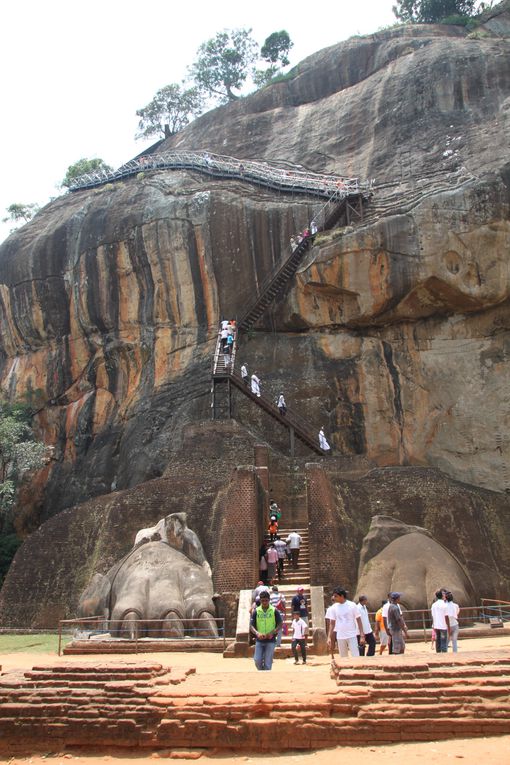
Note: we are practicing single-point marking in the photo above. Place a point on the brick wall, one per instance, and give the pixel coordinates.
(240, 531)
(329, 564)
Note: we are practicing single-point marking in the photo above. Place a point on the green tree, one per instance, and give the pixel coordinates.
(431, 11)
(20, 453)
(81, 167)
(171, 109)
(276, 48)
(275, 51)
(223, 63)
(20, 213)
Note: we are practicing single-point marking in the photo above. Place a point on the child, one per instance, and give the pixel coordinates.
(433, 640)
(299, 628)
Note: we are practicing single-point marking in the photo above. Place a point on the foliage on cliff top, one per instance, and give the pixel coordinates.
(432, 11)
(84, 166)
(171, 109)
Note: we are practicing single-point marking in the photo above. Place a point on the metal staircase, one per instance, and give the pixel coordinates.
(338, 205)
(225, 373)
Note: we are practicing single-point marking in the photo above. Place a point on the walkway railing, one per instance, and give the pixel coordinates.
(269, 174)
(97, 628)
(274, 282)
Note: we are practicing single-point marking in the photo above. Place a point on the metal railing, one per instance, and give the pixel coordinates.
(140, 631)
(469, 616)
(262, 173)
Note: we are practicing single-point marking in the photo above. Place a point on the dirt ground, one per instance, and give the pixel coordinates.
(215, 673)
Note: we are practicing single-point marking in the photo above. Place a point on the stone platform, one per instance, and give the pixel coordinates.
(149, 706)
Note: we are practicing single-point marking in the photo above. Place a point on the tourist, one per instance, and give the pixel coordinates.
(281, 549)
(328, 618)
(440, 621)
(294, 542)
(224, 324)
(255, 385)
(299, 628)
(258, 589)
(293, 244)
(452, 610)
(396, 625)
(380, 632)
(282, 406)
(265, 623)
(274, 510)
(313, 228)
(263, 564)
(323, 443)
(278, 600)
(272, 563)
(244, 374)
(385, 609)
(299, 604)
(273, 528)
(367, 627)
(346, 623)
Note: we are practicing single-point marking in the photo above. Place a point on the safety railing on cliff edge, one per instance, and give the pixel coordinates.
(262, 173)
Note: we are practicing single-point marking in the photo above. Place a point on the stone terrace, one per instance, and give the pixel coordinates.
(146, 705)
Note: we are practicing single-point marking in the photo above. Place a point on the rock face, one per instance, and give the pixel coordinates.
(394, 334)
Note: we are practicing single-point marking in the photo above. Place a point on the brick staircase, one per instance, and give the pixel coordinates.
(369, 701)
(292, 578)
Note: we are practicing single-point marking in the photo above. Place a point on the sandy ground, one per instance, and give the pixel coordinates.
(213, 673)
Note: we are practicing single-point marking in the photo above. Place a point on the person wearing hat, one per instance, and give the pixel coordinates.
(265, 623)
(397, 628)
(299, 604)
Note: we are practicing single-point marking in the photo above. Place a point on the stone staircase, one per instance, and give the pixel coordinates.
(292, 578)
(369, 701)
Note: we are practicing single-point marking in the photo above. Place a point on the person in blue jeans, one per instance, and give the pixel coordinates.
(266, 621)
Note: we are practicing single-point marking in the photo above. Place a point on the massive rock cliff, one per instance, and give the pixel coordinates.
(395, 332)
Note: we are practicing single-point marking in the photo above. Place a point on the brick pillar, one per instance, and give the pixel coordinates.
(261, 458)
(239, 537)
(329, 563)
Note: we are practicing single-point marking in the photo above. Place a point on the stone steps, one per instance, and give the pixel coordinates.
(388, 701)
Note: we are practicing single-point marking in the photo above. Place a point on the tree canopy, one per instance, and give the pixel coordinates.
(432, 11)
(170, 111)
(21, 212)
(83, 166)
(276, 48)
(20, 453)
(223, 63)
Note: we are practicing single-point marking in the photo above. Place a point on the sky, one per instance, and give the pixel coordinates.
(73, 75)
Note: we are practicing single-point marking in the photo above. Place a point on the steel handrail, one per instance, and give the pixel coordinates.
(267, 173)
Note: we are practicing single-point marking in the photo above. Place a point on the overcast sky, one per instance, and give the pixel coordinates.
(74, 74)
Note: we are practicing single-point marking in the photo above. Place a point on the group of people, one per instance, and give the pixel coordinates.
(227, 334)
(253, 383)
(348, 624)
(308, 232)
(275, 552)
(267, 624)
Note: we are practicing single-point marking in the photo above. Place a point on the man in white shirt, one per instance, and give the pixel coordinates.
(346, 622)
(440, 622)
(452, 610)
(367, 627)
(294, 542)
(244, 374)
(299, 628)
